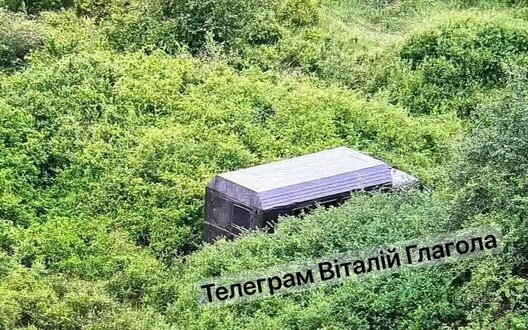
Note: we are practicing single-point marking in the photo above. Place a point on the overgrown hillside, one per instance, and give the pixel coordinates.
(114, 115)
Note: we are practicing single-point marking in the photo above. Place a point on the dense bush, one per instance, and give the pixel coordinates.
(99, 9)
(454, 59)
(233, 23)
(234, 26)
(141, 26)
(492, 172)
(36, 6)
(111, 129)
(18, 37)
(451, 63)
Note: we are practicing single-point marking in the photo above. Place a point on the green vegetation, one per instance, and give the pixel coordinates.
(115, 115)
(18, 37)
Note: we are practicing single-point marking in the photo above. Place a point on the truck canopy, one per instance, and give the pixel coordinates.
(304, 178)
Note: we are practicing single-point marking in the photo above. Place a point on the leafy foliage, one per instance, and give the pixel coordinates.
(454, 59)
(126, 109)
(492, 172)
(233, 22)
(18, 37)
(36, 6)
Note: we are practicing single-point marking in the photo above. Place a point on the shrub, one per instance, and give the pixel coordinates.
(32, 299)
(140, 26)
(451, 62)
(36, 6)
(491, 171)
(98, 9)
(18, 37)
(235, 23)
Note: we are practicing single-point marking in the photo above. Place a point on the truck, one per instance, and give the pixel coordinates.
(255, 197)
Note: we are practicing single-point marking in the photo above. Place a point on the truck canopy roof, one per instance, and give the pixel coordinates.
(303, 178)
